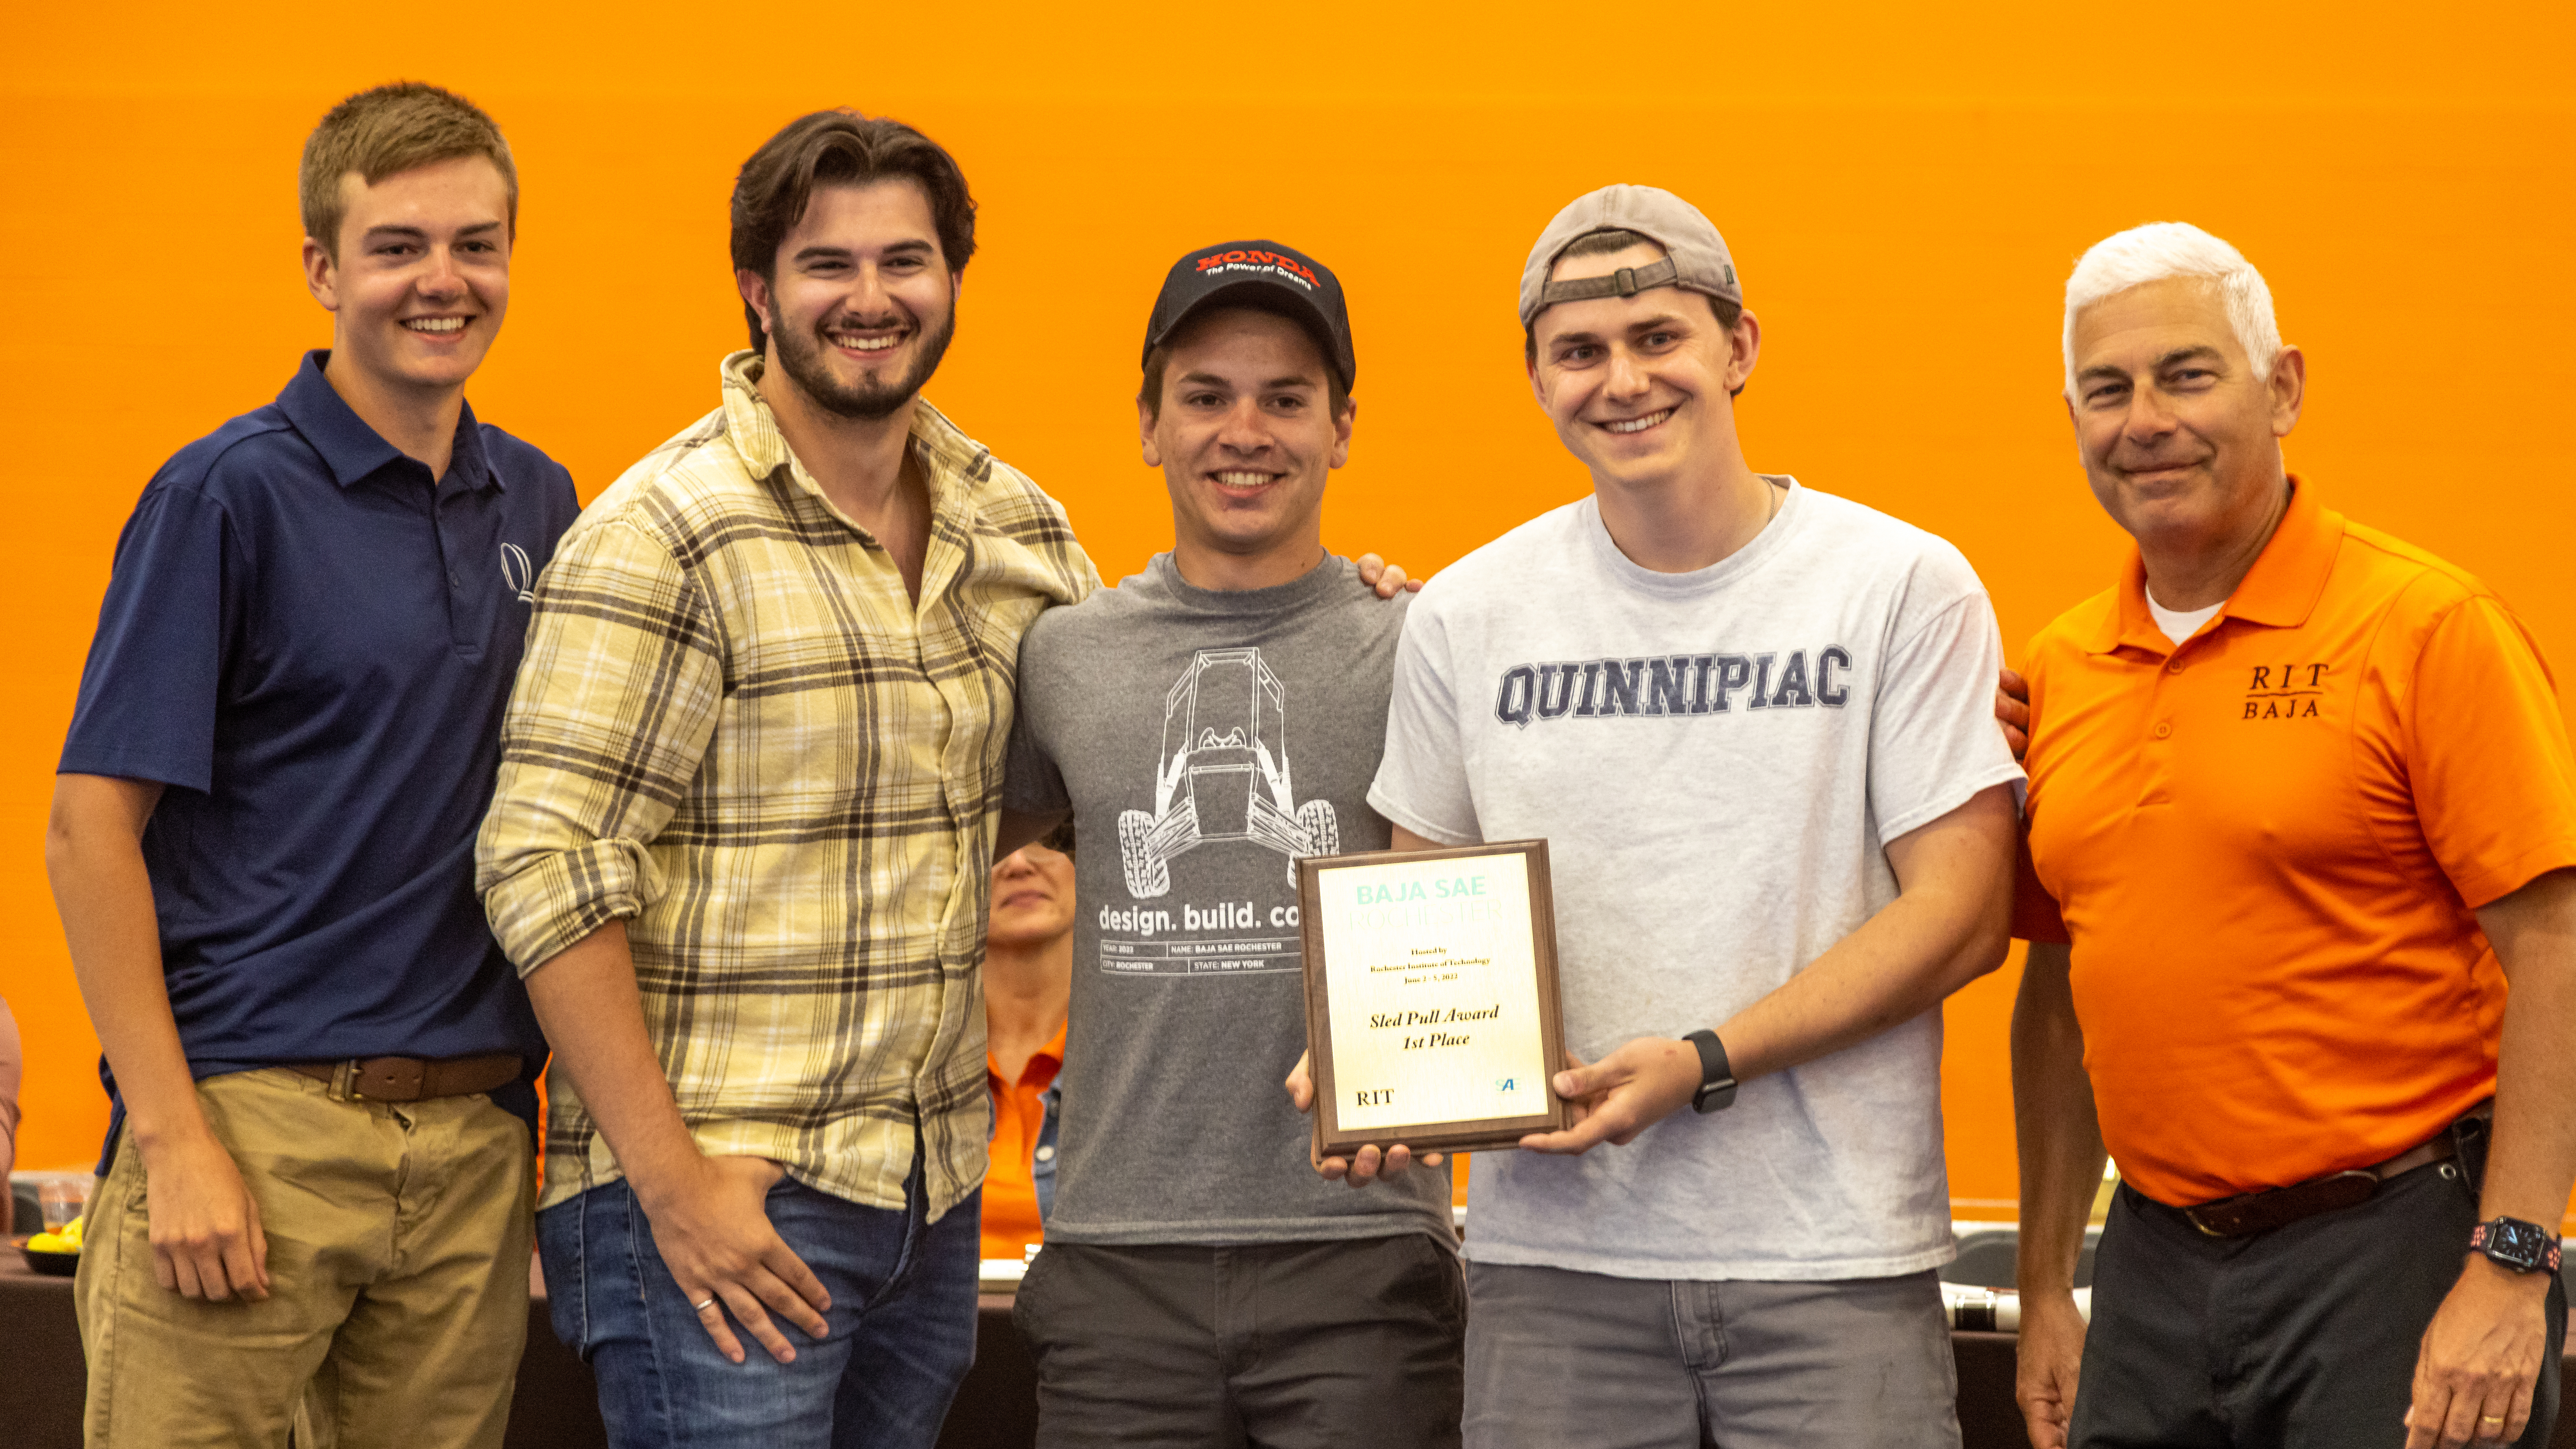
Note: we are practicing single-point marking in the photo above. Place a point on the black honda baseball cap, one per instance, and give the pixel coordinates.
(1263, 275)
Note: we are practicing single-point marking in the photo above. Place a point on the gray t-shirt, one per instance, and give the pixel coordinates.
(1716, 760)
(1204, 741)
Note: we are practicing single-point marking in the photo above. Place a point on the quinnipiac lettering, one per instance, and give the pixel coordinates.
(1734, 671)
(1673, 685)
(1555, 691)
(1591, 678)
(1665, 691)
(1619, 685)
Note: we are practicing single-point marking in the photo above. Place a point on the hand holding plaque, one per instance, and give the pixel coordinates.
(1432, 1014)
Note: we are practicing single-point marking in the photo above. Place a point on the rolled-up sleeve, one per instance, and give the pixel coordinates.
(615, 702)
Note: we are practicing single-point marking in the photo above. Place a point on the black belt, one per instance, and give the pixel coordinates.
(2259, 1212)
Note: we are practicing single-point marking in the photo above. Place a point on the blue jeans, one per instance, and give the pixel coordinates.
(902, 1325)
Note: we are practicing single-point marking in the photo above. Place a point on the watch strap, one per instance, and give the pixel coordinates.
(2490, 1237)
(1716, 1075)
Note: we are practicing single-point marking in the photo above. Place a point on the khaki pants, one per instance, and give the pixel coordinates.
(398, 1280)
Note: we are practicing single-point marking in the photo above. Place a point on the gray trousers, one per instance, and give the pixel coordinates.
(1274, 1345)
(1558, 1358)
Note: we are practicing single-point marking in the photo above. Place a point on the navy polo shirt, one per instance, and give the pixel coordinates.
(311, 642)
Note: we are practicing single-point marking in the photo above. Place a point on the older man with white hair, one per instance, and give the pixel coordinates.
(2301, 809)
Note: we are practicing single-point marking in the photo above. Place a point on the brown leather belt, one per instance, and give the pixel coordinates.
(2260, 1212)
(412, 1079)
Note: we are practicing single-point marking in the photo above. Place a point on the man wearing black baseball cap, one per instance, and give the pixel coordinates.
(1206, 722)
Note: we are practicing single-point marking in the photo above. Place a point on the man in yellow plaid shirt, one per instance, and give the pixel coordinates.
(739, 843)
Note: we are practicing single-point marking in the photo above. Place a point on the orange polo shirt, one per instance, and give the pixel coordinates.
(1011, 1218)
(2266, 844)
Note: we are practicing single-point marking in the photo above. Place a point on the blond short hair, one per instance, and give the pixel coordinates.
(390, 129)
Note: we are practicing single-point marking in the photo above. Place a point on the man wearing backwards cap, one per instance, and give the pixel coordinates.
(1217, 716)
(1753, 720)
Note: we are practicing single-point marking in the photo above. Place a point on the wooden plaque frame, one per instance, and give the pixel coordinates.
(1331, 1138)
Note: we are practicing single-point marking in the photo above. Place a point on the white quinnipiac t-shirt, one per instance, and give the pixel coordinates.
(1716, 760)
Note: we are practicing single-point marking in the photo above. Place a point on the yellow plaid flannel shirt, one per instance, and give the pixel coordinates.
(734, 730)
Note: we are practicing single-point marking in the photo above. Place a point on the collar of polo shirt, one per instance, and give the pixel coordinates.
(2282, 588)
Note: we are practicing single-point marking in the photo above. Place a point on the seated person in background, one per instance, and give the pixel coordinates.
(1028, 977)
(9, 1060)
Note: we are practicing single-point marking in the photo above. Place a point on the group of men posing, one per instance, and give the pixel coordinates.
(393, 771)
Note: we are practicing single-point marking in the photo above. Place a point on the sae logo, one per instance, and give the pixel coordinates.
(1507, 1084)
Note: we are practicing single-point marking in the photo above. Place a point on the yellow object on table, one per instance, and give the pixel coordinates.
(66, 1240)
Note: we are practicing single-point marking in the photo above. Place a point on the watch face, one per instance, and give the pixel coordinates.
(2519, 1243)
(2523, 1247)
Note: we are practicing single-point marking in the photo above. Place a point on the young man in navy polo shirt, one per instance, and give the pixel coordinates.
(262, 846)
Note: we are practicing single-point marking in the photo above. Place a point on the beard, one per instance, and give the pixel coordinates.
(802, 357)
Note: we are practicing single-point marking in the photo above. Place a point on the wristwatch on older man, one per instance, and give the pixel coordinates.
(2516, 1246)
(1716, 1077)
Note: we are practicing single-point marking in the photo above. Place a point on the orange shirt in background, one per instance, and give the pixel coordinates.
(1011, 1218)
(2266, 844)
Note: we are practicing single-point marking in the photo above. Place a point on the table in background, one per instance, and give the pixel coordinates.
(557, 1407)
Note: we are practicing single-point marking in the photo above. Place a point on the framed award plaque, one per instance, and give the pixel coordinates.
(1432, 1015)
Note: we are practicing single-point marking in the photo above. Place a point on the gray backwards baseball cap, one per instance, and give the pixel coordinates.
(1695, 256)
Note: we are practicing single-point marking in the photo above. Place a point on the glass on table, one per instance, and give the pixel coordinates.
(61, 1199)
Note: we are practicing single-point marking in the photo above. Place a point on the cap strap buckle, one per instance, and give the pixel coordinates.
(1625, 282)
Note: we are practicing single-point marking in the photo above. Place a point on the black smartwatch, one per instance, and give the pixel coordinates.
(1716, 1078)
(2516, 1246)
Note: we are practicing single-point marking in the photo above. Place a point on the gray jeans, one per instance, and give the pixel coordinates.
(1558, 1358)
(1281, 1345)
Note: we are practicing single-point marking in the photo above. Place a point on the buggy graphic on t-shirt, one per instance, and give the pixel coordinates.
(1222, 774)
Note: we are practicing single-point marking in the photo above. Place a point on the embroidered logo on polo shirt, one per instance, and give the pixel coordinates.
(2285, 691)
(517, 574)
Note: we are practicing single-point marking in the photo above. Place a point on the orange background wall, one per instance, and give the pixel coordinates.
(1904, 186)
